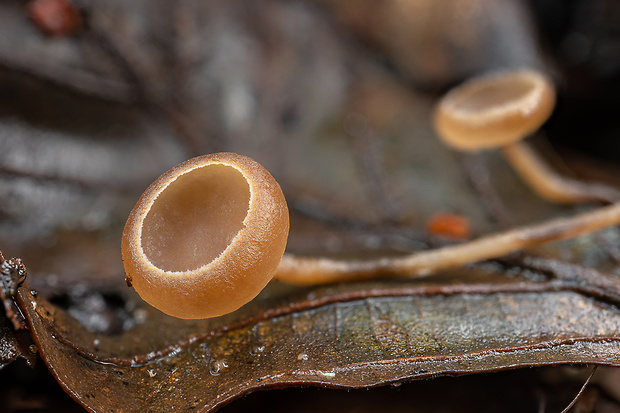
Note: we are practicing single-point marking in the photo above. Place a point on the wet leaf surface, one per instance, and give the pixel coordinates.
(339, 336)
(12, 346)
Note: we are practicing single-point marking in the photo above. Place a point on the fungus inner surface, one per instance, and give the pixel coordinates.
(195, 218)
(494, 94)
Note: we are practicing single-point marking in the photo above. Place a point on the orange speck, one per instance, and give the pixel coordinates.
(449, 225)
(55, 17)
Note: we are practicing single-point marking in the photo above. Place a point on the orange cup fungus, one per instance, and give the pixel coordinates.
(206, 237)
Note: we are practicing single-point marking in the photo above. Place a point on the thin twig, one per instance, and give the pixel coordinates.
(580, 391)
(78, 80)
(134, 67)
(72, 181)
(368, 158)
(478, 175)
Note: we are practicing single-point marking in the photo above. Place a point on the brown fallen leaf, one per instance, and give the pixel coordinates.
(12, 345)
(344, 336)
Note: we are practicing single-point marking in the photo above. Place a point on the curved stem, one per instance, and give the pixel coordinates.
(551, 186)
(572, 403)
(311, 271)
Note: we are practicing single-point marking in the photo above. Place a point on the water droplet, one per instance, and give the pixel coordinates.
(258, 349)
(140, 315)
(174, 352)
(205, 349)
(217, 366)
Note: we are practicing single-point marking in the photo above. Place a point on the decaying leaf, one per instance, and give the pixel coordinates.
(12, 346)
(344, 336)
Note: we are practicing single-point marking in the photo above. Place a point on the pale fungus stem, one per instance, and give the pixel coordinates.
(311, 271)
(537, 173)
(499, 110)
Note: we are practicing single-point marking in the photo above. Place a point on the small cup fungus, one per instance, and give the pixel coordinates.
(206, 237)
(499, 110)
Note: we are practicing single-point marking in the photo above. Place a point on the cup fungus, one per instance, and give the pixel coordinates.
(206, 237)
(499, 110)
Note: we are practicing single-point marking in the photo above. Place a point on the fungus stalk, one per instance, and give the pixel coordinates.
(311, 271)
(550, 185)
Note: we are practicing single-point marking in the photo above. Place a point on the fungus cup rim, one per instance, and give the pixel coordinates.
(147, 204)
(499, 124)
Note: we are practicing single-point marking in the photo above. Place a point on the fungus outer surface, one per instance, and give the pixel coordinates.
(494, 110)
(206, 237)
